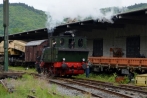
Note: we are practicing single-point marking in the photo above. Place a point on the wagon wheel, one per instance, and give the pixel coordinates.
(69, 76)
(45, 72)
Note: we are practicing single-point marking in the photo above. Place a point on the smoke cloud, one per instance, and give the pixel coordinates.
(59, 10)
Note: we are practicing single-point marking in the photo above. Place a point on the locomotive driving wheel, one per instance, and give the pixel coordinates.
(50, 74)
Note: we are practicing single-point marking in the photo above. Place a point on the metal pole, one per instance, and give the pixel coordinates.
(5, 25)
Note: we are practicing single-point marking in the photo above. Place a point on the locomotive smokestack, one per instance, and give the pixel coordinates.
(50, 32)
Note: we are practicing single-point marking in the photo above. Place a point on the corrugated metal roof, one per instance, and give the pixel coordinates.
(34, 43)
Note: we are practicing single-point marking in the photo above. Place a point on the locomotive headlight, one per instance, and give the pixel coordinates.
(83, 59)
(63, 59)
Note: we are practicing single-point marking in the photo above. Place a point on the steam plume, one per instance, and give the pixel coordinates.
(58, 10)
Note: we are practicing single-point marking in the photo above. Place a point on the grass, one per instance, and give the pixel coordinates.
(22, 69)
(2, 91)
(100, 77)
(28, 85)
(103, 77)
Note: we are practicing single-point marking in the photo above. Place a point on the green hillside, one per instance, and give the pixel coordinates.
(23, 18)
(125, 9)
(137, 6)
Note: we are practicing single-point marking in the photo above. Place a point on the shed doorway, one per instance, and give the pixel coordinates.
(133, 47)
(98, 47)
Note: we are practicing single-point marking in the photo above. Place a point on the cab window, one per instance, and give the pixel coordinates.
(71, 43)
(80, 42)
(62, 41)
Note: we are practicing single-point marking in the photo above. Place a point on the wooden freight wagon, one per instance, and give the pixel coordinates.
(34, 49)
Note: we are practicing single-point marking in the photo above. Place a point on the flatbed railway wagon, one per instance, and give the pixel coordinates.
(124, 66)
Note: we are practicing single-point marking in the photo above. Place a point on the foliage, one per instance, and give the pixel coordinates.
(117, 10)
(23, 18)
(137, 6)
(125, 81)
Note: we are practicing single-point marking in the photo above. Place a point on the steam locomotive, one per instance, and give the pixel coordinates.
(66, 55)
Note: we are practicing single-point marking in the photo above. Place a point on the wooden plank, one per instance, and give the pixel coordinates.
(11, 74)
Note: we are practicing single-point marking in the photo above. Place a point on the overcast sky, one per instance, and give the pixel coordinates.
(43, 4)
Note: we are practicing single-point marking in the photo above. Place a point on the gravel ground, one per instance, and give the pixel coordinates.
(122, 91)
(128, 93)
(70, 92)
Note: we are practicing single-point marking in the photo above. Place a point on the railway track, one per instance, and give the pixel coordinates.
(131, 87)
(71, 87)
(125, 89)
(86, 88)
(121, 86)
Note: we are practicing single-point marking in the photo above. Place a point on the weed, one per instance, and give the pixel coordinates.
(104, 77)
(27, 85)
(2, 91)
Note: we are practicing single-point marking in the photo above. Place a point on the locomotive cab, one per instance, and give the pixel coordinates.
(66, 55)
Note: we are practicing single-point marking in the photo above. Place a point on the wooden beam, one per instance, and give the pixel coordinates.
(128, 21)
(116, 25)
(133, 17)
